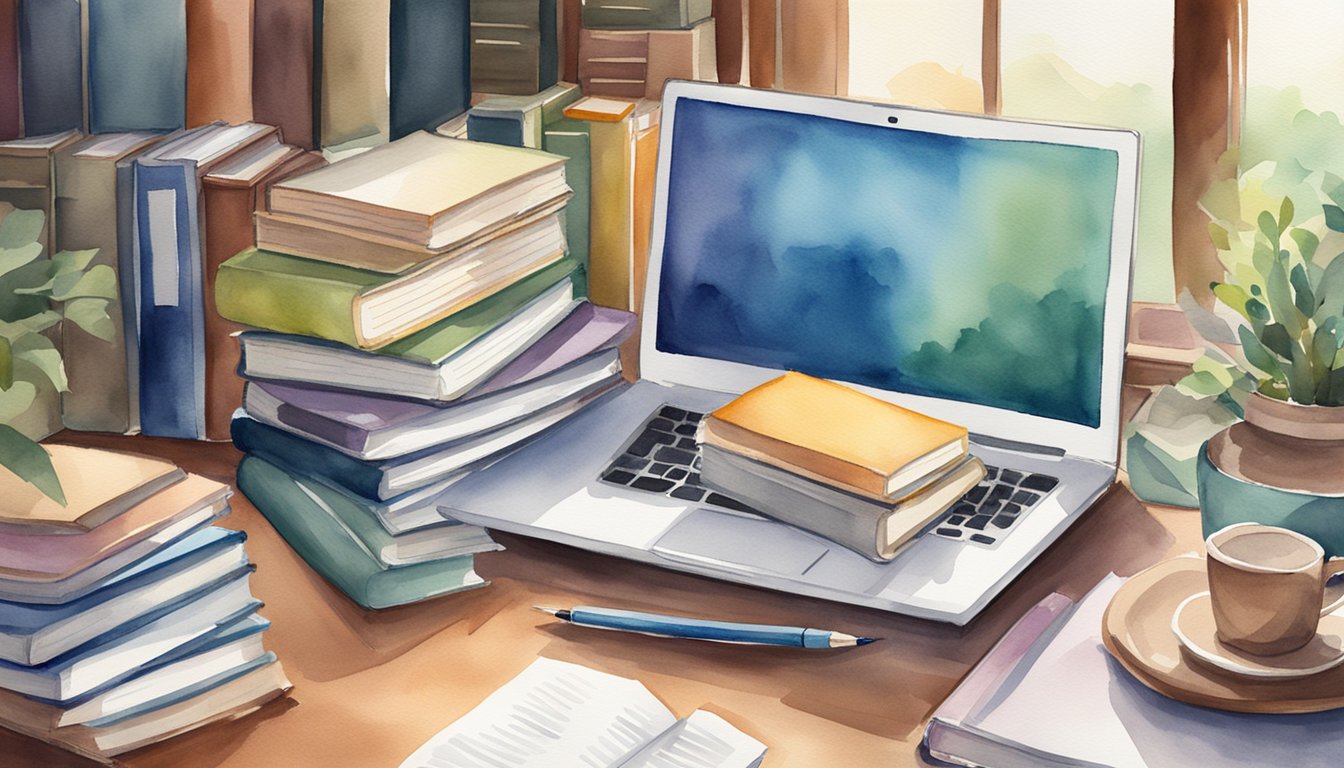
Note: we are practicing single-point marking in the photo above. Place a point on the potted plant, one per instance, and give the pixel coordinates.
(1277, 356)
(36, 294)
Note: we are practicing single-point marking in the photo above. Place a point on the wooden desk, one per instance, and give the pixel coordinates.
(371, 687)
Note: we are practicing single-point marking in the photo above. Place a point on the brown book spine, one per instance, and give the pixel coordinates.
(761, 43)
(10, 125)
(285, 58)
(219, 61)
(229, 211)
(815, 41)
(729, 31)
(571, 25)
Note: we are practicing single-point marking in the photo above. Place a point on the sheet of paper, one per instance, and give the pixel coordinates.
(552, 714)
(703, 740)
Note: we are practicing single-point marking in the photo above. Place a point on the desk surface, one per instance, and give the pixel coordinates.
(371, 687)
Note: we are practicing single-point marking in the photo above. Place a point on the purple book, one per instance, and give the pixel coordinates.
(576, 359)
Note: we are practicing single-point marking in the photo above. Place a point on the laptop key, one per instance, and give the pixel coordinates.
(1025, 498)
(1002, 520)
(976, 494)
(964, 509)
(675, 456)
(688, 493)
(1011, 510)
(687, 429)
(676, 414)
(643, 445)
(662, 425)
(687, 444)
(954, 533)
(676, 473)
(1042, 483)
(627, 461)
(1010, 476)
(978, 522)
(658, 468)
(980, 538)
(618, 476)
(655, 484)
(956, 520)
(1000, 493)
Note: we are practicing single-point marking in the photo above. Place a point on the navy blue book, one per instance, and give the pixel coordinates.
(51, 63)
(169, 254)
(33, 634)
(137, 65)
(75, 679)
(429, 63)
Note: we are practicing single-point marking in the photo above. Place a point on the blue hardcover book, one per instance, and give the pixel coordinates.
(51, 65)
(137, 65)
(429, 64)
(222, 617)
(188, 692)
(32, 634)
(169, 257)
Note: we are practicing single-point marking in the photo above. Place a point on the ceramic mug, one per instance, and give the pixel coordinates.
(1267, 585)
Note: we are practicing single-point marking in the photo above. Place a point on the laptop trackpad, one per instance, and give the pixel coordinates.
(739, 543)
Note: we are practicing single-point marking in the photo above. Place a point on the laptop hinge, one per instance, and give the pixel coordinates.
(1016, 446)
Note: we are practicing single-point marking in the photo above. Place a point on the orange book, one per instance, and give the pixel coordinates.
(219, 61)
(829, 432)
(98, 485)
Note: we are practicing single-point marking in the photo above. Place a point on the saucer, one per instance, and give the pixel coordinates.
(1194, 627)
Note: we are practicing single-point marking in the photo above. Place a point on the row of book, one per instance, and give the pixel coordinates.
(415, 315)
(128, 615)
(140, 199)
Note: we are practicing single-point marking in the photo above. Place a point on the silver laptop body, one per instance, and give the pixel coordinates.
(973, 268)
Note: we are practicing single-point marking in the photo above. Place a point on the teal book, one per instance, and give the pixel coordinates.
(569, 139)
(137, 65)
(304, 513)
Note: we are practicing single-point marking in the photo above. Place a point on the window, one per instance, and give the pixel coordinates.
(917, 53)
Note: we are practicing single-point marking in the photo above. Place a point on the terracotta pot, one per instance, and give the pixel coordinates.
(1282, 466)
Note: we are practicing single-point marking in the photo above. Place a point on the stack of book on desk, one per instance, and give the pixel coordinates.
(420, 318)
(125, 616)
(859, 471)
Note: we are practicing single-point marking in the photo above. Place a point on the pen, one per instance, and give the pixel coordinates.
(704, 629)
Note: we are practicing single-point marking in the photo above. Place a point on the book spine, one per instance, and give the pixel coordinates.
(644, 14)
(761, 43)
(168, 251)
(613, 63)
(137, 65)
(685, 54)
(287, 303)
(285, 52)
(219, 61)
(128, 287)
(354, 71)
(794, 458)
(87, 218)
(228, 230)
(295, 453)
(611, 245)
(429, 67)
(729, 35)
(51, 62)
(496, 128)
(571, 25)
(570, 139)
(814, 38)
(548, 70)
(11, 106)
(331, 550)
(505, 60)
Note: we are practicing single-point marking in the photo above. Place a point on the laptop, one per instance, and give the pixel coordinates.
(973, 268)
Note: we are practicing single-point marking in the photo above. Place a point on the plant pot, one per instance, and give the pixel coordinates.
(1282, 466)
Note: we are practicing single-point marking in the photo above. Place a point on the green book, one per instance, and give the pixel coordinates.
(367, 309)
(569, 139)
(438, 363)
(304, 513)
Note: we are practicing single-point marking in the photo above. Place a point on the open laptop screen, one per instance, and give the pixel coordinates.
(957, 268)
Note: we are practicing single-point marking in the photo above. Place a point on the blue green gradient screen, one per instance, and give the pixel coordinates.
(964, 269)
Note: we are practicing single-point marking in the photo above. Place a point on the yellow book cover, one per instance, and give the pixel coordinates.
(98, 486)
(828, 430)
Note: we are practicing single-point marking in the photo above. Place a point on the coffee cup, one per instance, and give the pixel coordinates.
(1267, 585)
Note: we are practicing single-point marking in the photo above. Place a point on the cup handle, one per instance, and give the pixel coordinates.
(1333, 566)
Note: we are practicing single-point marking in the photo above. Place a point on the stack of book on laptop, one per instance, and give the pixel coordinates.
(860, 471)
(126, 617)
(419, 318)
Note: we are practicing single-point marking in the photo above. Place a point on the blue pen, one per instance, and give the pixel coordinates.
(704, 629)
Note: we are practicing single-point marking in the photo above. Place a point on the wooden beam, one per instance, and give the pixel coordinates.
(990, 64)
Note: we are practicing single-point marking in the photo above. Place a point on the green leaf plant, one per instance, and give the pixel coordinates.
(37, 294)
(1277, 326)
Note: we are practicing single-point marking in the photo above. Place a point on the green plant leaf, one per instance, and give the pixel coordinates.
(21, 228)
(1201, 384)
(1258, 356)
(30, 462)
(1263, 258)
(1206, 323)
(1219, 237)
(39, 351)
(1301, 386)
(1334, 217)
(1233, 296)
(13, 258)
(1280, 297)
(1333, 187)
(1285, 215)
(1276, 339)
(1330, 290)
(6, 364)
(91, 315)
(1307, 242)
(73, 261)
(1268, 226)
(40, 322)
(1303, 296)
(15, 400)
(98, 283)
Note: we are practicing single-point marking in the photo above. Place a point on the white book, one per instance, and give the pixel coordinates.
(1049, 694)
(555, 714)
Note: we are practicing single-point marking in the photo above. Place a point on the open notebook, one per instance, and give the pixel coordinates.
(556, 714)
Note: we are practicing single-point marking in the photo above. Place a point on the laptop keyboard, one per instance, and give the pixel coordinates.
(664, 458)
